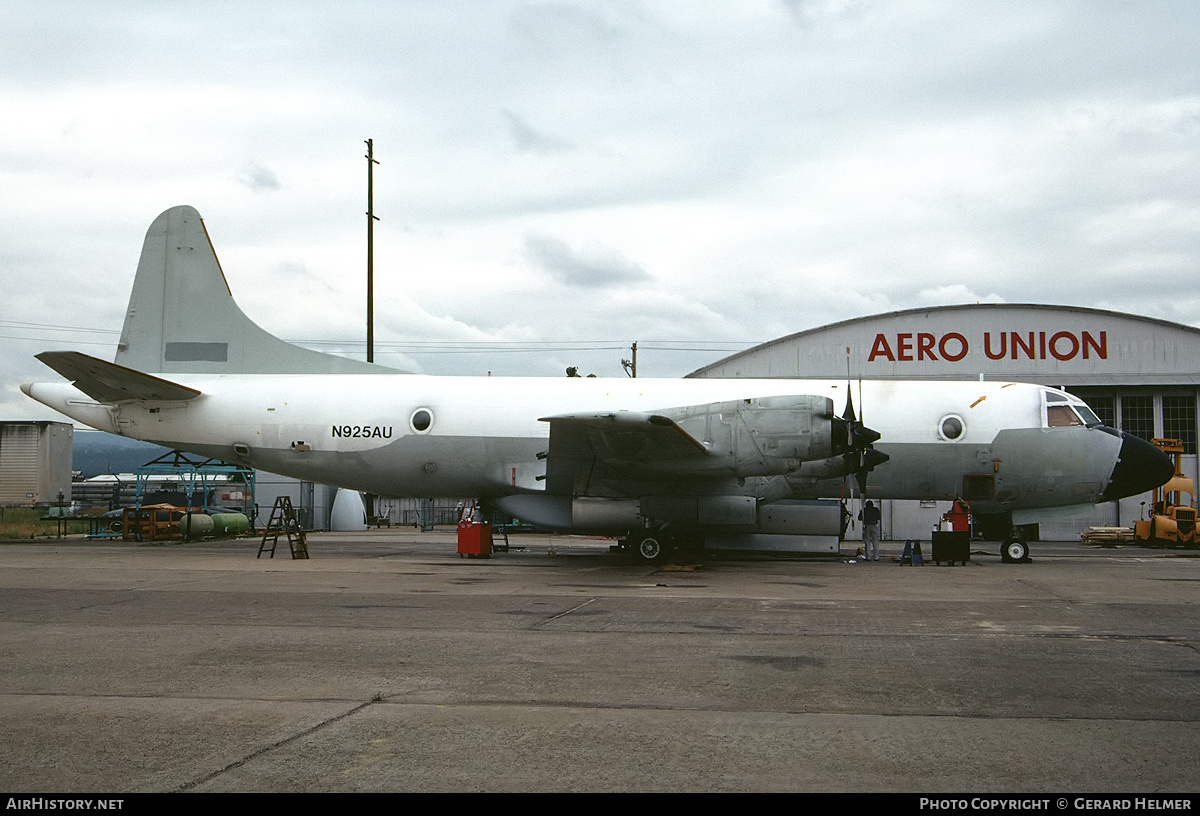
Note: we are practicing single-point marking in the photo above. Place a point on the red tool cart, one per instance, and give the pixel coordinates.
(474, 538)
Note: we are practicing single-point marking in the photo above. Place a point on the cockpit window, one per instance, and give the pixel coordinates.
(1064, 410)
(1089, 416)
(1059, 416)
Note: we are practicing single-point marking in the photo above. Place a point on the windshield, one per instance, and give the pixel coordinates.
(1063, 410)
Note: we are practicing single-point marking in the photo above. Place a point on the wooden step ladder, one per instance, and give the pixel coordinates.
(283, 521)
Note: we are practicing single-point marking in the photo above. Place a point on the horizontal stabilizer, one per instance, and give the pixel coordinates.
(109, 382)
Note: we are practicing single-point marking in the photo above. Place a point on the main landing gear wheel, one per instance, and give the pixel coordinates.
(1015, 551)
(651, 548)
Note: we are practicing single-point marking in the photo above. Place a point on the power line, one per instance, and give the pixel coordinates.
(25, 326)
(542, 345)
(109, 343)
(423, 346)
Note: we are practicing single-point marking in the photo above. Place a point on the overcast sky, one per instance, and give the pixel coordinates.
(560, 179)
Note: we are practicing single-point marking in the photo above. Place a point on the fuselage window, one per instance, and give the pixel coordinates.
(421, 420)
(951, 428)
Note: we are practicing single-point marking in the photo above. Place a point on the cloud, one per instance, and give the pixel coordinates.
(592, 267)
(955, 293)
(807, 13)
(258, 178)
(716, 171)
(568, 27)
(530, 140)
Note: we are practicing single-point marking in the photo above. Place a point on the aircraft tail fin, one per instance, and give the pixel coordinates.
(182, 317)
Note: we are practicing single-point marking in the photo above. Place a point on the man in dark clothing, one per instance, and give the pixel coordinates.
(870, 517)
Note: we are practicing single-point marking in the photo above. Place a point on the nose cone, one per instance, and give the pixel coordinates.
(1140, 467)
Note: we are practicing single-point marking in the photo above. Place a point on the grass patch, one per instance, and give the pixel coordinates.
(24, 523)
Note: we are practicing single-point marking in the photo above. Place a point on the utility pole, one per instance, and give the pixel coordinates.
(633, 348)
(371, 219)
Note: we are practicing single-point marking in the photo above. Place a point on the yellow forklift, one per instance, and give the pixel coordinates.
(1172, 522)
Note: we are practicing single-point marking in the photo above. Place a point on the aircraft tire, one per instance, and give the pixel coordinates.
(1015, 551)
(651, 548)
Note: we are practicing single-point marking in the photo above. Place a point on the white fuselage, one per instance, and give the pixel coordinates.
(482, 436)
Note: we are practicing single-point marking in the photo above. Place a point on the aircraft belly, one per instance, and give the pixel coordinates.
(433, 467)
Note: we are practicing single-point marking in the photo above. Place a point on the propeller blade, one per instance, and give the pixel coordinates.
(860, 458)
(873, 458)
(870, 459)
(864, 437)
(848, 413)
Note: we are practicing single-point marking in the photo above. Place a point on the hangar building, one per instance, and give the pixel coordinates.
(1138, 374)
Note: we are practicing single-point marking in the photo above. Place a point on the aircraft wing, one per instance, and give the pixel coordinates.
(585, 449)
(630, 453)
(109, 382)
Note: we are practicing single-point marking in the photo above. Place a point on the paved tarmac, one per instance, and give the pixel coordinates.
(388, 663)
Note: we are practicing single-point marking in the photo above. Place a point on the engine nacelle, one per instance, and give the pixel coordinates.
(835, 467)
(767, 436)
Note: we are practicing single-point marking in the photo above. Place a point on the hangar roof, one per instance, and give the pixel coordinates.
(1056, 345)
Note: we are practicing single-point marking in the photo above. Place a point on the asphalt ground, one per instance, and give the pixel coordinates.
(388, 663)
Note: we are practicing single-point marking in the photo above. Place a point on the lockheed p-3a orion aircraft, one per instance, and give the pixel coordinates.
(656, 462)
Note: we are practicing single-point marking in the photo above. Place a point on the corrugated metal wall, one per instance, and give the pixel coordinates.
(35, 462)
(18, 463)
